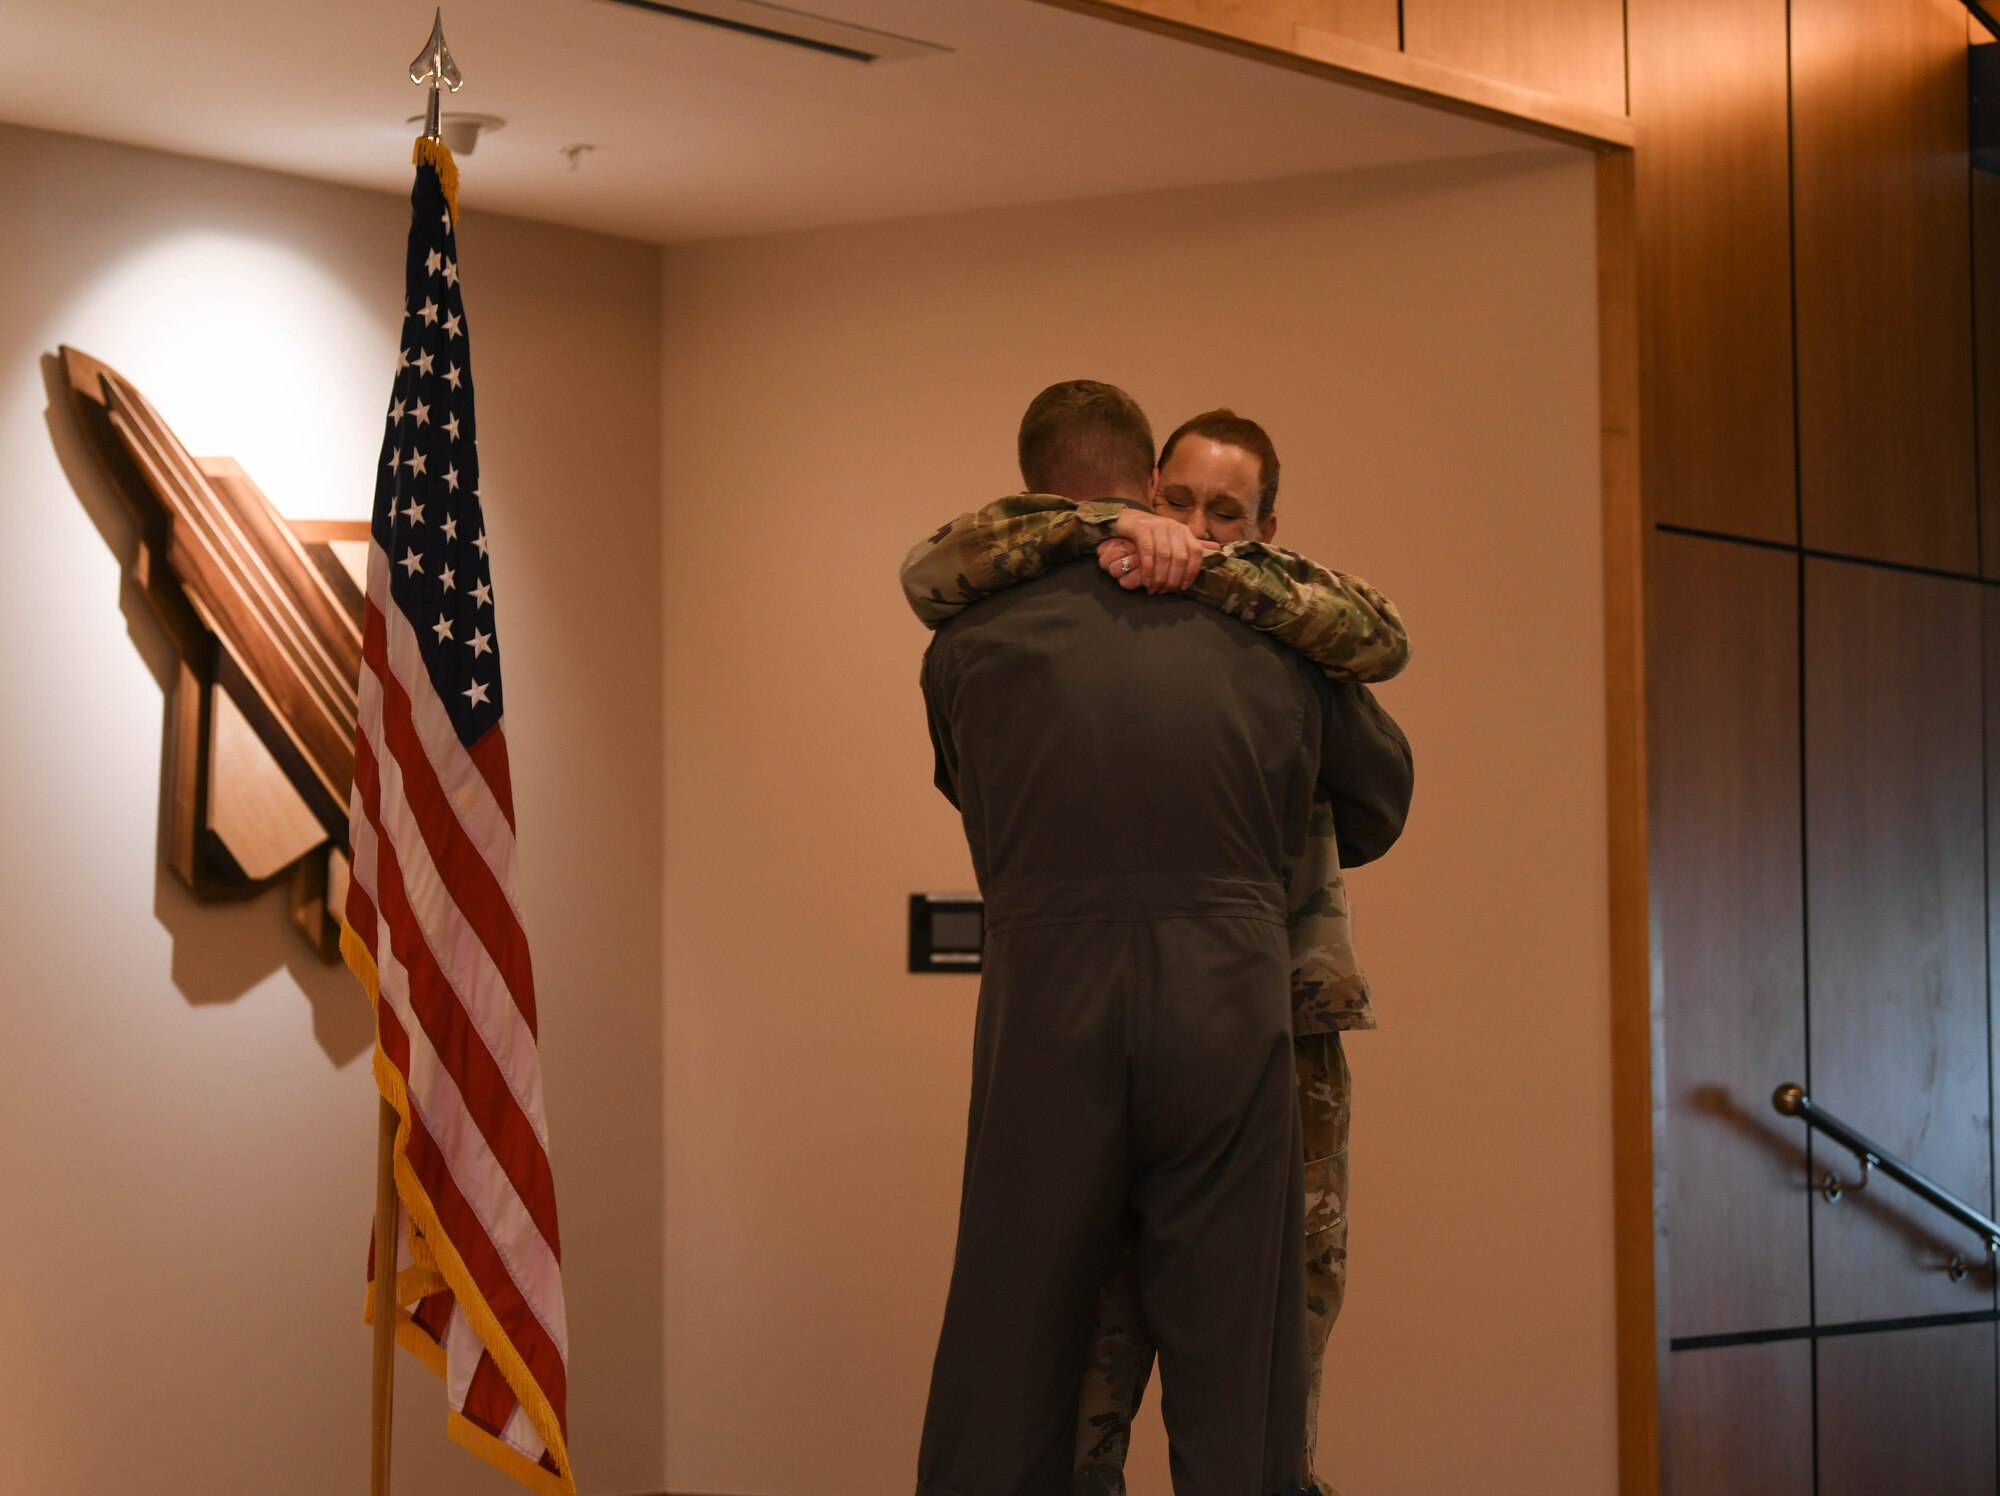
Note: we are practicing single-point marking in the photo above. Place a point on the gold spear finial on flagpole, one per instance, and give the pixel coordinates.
(434, 66)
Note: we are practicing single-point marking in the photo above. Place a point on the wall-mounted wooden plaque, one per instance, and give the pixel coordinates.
(265, 615)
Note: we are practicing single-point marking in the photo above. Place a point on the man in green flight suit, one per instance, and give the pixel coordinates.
(1218, 477)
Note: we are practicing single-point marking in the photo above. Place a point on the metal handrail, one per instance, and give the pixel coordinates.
(1792, 1101)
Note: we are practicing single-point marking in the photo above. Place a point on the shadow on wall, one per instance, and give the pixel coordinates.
(222, 950)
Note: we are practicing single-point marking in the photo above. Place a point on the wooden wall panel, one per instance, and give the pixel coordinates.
(1740, 1421)
(1574, 49)
(1351, 42)
(1908, 1410)
(1709, 95)
(1377, 22)
(1270, 23)
(1986, 341)
(1884, 280)
(1725, 673)
(1896, 921)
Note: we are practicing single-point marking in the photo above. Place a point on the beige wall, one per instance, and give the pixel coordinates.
(186, 1117)
(1422, 345)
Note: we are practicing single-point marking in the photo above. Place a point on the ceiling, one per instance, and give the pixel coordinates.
(701, 133)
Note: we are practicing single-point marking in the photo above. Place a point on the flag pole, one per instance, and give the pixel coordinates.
(383, 1302)
(432, 66)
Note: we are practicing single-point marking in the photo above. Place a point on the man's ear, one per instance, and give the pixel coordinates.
(1267, 527)
(1153, 491)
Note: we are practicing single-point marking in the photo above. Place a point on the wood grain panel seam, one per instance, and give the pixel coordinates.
(1834, 1331)
(1815, 554)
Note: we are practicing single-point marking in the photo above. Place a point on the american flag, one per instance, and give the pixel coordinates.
(433, 927)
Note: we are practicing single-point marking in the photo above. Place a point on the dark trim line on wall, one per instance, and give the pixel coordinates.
(1828, 1332)
(1819, 555)
(1625, 48)
(1799, 660)
(1799, 642)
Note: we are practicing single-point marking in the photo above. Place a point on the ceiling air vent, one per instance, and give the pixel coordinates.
(795, 28)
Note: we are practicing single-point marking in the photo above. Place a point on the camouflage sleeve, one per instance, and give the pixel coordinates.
(1340, 623)
(1009, 541)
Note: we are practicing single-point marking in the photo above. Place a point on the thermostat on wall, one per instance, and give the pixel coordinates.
(947, 931)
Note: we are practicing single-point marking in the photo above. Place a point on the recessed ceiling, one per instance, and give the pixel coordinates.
(700, 132)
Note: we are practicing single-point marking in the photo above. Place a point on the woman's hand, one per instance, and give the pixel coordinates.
(1151, 551)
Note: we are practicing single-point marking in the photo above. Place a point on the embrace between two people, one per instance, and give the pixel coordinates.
(1199, 523)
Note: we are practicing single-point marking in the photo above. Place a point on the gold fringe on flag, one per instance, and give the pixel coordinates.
(437, 155)
(446, 1268)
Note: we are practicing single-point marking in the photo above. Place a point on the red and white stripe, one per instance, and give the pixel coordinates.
(433, 901)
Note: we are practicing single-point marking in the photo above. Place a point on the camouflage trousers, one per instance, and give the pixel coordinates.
(1121, 1350)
